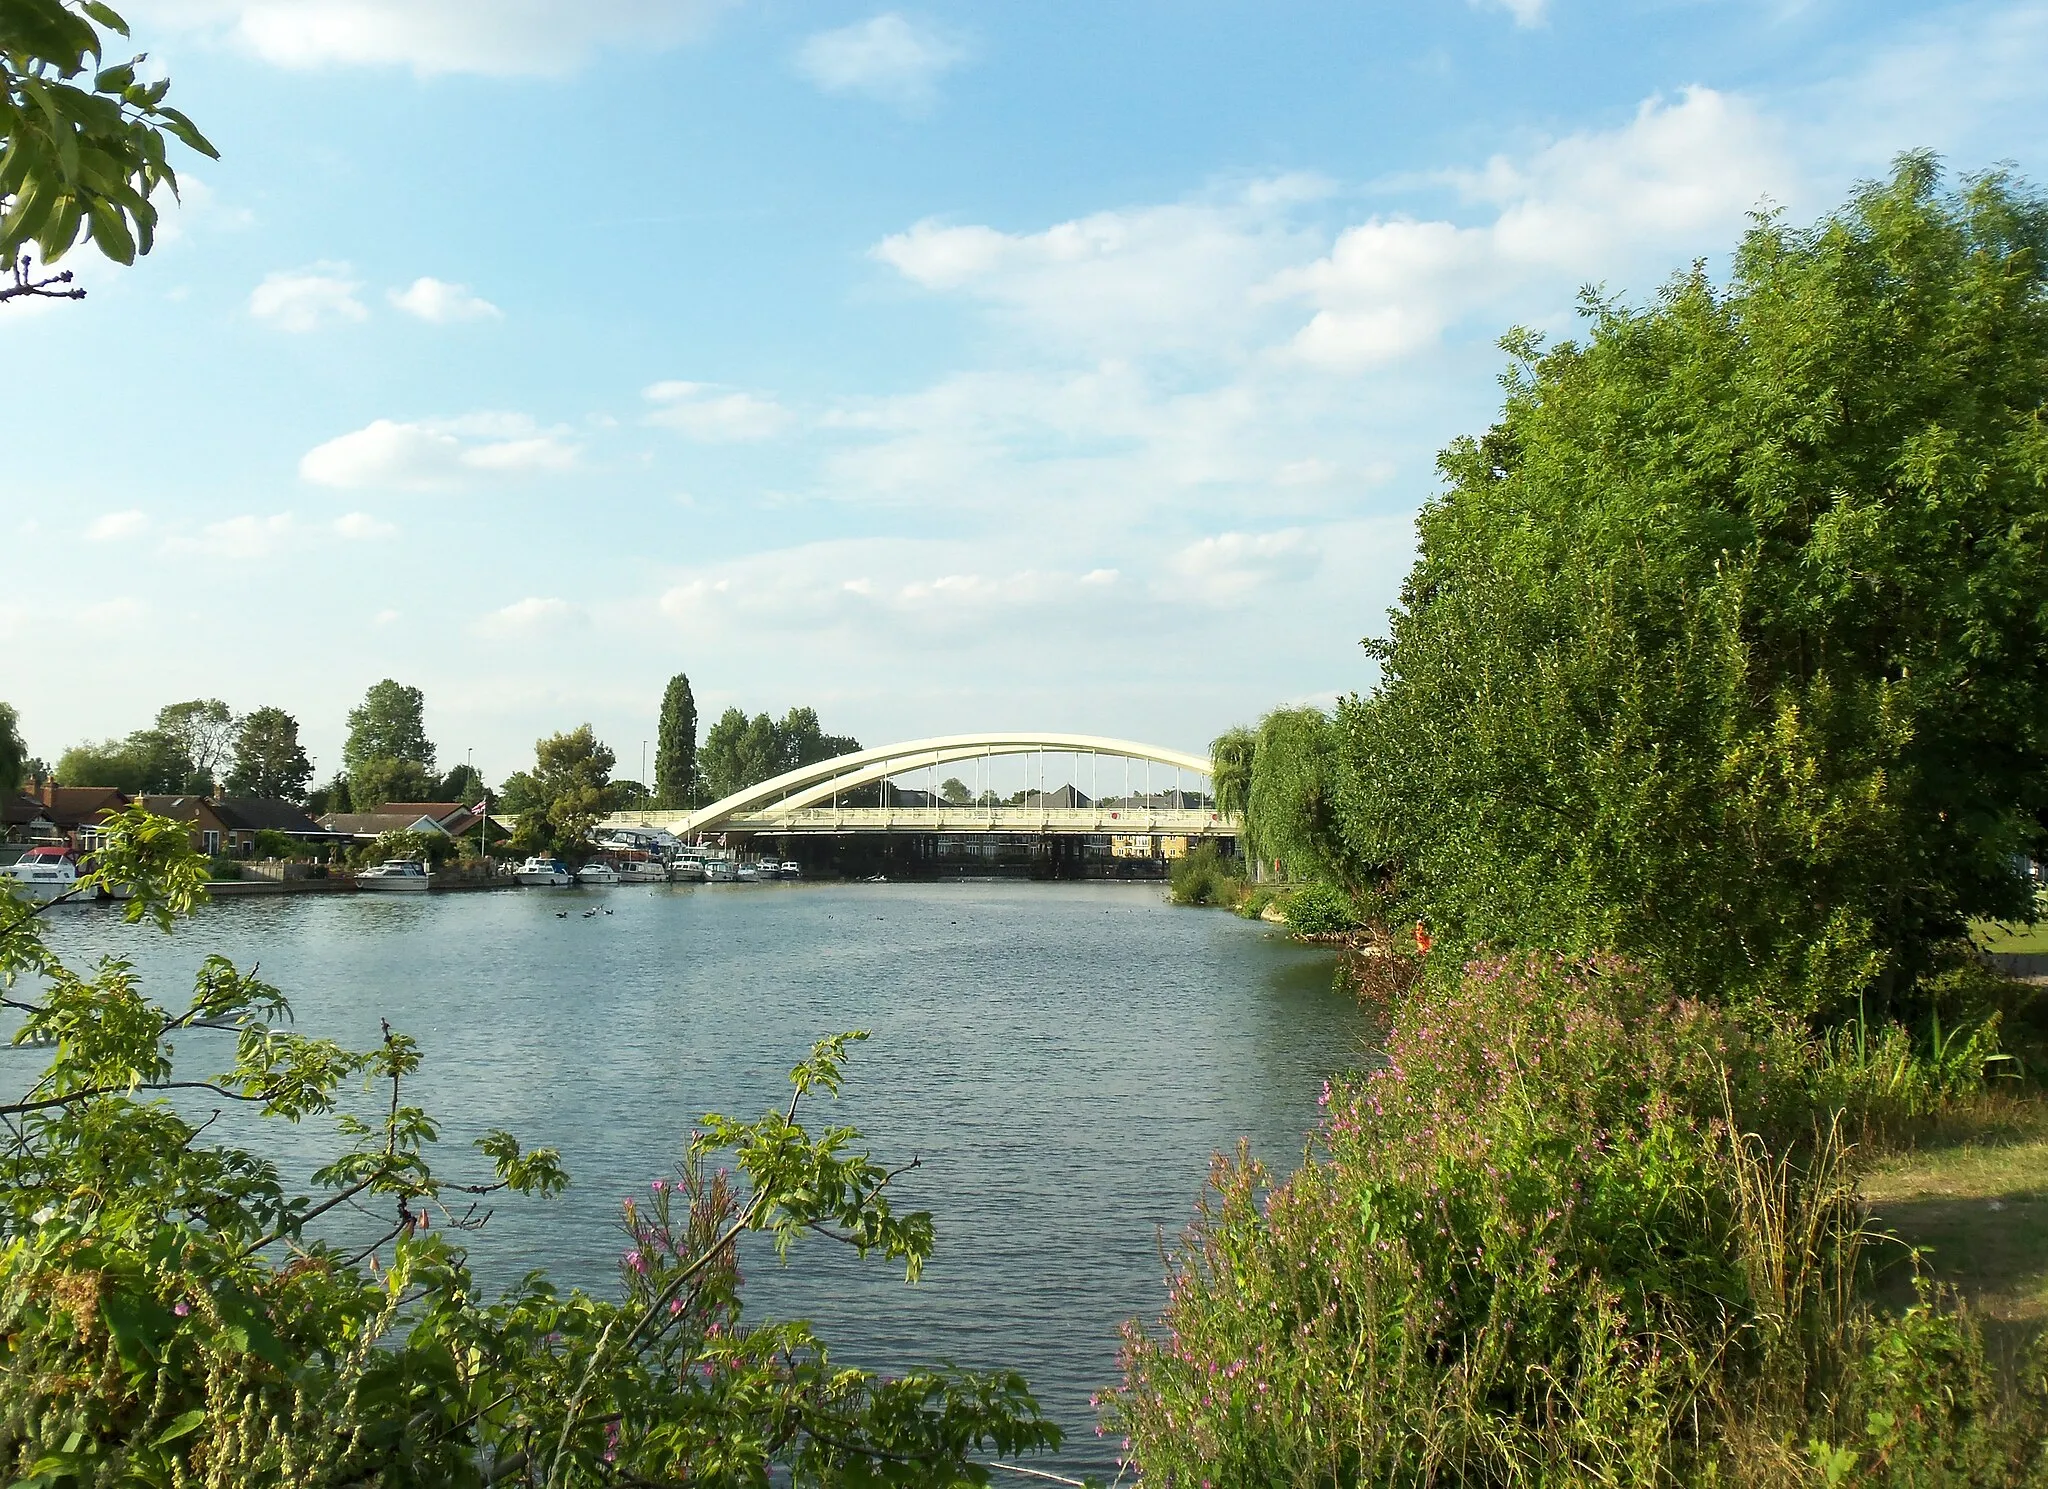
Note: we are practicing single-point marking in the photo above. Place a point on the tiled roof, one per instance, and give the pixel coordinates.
(265, 814)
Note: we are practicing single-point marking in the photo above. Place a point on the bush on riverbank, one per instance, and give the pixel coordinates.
(1319, 910)
(173, 1313)
(1575, 1231)
(1203, 876)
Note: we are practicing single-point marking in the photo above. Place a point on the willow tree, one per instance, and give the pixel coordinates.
(1727, 646)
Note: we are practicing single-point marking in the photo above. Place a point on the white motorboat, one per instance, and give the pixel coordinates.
(597, 874)
(548, 873)
(791, 869)
(687, 870)
(747, 873)
(394, 873)
(41, 874)
(641, 871)
(720, 870)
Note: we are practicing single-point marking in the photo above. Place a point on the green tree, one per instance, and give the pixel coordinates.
(1727, 646)
(675, 747)
(564, 795)
(799, 740)
(382, 779)
(1290, 802)
(1231, 756)
(13, 752)
(81, 143)
(954, 792)
(465, 783)
(269, 760)
(146, 762)
(203, 731)
(390, 724)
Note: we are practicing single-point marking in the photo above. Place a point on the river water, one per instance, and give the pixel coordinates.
(1062, 1059)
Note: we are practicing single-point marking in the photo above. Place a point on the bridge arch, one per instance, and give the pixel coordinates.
(809, 784)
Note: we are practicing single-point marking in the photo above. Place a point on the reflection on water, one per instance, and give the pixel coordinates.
(1062, 1059)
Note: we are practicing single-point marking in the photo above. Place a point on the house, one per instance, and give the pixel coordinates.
(367, 827)
(245, 816)
(210, 834)
(71, 815)
(22, 820)
(444, 813)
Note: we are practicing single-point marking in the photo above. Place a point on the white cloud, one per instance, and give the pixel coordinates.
(1592, 205)
(436, 455)
(1526, 12)
(885, 57)
(1180, 276)
(110, 527)
(308, 299)
(502, 38)
(361, 527)
(704, 413)
(385, 617)
(440, 302)
(1229, 567)
(529, 617)
(243, 537)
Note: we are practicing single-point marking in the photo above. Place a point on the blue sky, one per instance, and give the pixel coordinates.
(1073, 366)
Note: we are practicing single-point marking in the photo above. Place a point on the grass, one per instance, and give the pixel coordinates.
(2002, 935)
(1975, 1200)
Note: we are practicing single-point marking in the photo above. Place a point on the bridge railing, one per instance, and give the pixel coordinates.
(982, 819)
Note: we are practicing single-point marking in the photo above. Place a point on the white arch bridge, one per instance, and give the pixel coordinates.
(1115, 786)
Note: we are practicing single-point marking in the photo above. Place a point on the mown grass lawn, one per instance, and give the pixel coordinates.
(1977, 1207)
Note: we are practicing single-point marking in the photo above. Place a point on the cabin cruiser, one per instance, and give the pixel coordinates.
(550, 873)
(687, 869)
(394, 873)
(641, 871)
(598, 874)
(720, 870)
(791, 869)
(747, 873)
(41, 874)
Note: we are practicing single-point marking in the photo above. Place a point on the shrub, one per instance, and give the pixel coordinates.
(435, 848)
(172, 1313)
(220, 867)
(1253, 902)
(273, 844)
(1203, 876)
(1573, 1231)
(1319, 910)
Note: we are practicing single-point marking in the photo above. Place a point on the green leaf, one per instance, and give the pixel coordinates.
(105, 15)
(183, 1425)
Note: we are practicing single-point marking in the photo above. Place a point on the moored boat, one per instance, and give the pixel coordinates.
(641, 871)
(791, 869)
(719, 870)
(41, 874)
(687, 869)
(549, 873)
(404, 874)
(597, 874)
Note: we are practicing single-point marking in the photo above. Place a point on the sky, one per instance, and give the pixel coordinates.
(1071, 366)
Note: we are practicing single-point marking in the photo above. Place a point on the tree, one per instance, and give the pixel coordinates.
(1727, 646)
(379, 780)
(389, 725)
(465, 783)
(740, 752)
(146, 762)
(564, 795)
(203, 731)
(269, 761)
(1290, 802)
(675, 747)
(800, 741)
(77, 158)
(13, 752)
(1231, 756)
(954, 792)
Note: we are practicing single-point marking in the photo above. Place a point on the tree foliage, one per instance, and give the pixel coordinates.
(389, 724)
(81, 140)
(147, 761)
(740, 752)
(1290, 794)
(13, 751)
(172, 1311)
(383, 779)
(1728, 645)
(675, 746)
(269, 760)
(565, 793)
(203, 731)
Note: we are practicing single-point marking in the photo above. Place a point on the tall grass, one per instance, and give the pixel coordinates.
(1573, 1232)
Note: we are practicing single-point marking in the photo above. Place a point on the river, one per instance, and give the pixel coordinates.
(1062, 1059)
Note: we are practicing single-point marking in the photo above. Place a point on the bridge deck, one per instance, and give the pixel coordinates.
(1121, 821)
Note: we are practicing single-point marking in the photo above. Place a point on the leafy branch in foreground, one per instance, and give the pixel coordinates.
(171, 1312)
(81, 142)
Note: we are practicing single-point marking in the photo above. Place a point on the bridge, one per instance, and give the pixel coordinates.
(808, 801)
